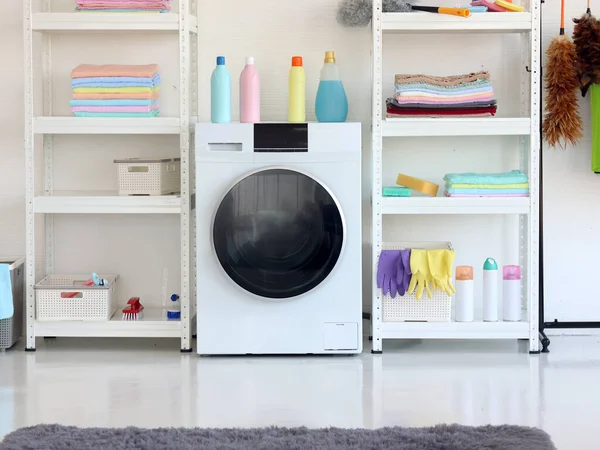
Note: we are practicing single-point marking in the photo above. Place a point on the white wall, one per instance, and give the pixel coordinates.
(273, 31)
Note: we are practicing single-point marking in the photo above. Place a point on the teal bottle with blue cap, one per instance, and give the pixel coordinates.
(220, 93)
(490, 290)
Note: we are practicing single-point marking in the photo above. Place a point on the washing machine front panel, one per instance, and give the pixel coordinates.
(278, 233)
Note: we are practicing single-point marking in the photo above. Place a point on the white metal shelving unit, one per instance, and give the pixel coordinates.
(526, 127)
(48, 202)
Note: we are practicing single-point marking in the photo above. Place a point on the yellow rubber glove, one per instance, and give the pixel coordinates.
(421, 276)
(449, 256)
(438, 262)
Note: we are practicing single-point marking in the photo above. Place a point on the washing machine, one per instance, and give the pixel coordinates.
(278, 238)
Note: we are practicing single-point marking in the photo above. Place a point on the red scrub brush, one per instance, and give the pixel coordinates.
(133, 310)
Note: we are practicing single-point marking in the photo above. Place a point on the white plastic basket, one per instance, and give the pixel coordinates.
(154, 176)
(63, 298)
(407, 308)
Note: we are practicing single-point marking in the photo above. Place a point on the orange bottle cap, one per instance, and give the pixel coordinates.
(464, 273)
(296, 61)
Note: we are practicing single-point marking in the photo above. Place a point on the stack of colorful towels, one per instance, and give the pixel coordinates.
(460, 95)
(115, 91)
(508, 184)
(134, 6)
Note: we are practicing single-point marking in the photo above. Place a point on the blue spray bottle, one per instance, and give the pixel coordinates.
(220, 93)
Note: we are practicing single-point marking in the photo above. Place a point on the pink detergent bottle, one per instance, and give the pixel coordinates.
(249, 93)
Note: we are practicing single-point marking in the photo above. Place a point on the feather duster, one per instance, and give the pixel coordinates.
(358, 13)
(562, 124)
(586, 36)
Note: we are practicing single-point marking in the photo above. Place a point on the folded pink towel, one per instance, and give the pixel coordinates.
(111, 109)
(115, 70)
(447, 194)
(419, 101)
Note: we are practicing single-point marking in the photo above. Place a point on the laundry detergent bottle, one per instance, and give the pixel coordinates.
(297, 92)
(220, 93)
(249, 93)
(331, 104)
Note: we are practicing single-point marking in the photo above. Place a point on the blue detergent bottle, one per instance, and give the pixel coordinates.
(331, 104)
(220, 93)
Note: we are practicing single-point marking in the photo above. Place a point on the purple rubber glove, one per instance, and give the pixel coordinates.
(387, 270)
(403, 272)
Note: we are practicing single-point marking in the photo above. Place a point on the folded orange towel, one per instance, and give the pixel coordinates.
(137, 96)
(114, 70)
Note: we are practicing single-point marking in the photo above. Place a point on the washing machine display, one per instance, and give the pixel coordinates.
(278, 233)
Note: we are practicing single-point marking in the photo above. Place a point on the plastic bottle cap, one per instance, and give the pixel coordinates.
(329, 57)
(511, 272)
(296, 61)
(464, 273)
(249, 60)
(490, 264)
(220, 60)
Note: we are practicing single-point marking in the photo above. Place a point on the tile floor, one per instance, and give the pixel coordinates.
(150, 384)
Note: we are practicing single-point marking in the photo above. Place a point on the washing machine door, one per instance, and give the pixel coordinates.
(278, 233)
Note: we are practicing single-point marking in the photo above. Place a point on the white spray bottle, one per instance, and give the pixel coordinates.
(490, 290)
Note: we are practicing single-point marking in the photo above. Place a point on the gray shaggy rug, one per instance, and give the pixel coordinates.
(446, 437)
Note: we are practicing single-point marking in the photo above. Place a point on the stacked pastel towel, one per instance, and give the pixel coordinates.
(508, 184)
(460, 95)
(133, 6)
(115, 91)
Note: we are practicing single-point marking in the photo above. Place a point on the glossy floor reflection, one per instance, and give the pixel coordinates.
(150, 384)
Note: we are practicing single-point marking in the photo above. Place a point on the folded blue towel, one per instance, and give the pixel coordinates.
(113, 102)
(153, 113)
(486, 191)
(6, 298)
(116, 81)
(512, 177)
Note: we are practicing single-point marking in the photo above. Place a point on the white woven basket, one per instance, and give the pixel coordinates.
(407, 308)
(90, 303)
(160, 176)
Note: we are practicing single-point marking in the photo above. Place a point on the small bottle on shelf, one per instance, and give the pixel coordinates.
(174, 311)
(511, 293)
(490, 290)
(464, 306)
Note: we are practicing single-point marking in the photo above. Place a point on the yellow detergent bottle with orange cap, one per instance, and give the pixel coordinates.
(297, 92)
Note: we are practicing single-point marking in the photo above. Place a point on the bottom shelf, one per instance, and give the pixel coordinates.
(153, 325)
(455, 330)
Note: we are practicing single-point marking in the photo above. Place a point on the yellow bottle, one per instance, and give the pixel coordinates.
(297, 92)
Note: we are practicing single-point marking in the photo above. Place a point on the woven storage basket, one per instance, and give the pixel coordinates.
(407, 308)
(53, 301)
(160, 176)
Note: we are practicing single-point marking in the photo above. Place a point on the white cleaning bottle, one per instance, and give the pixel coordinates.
(464, 306)
(490, 290)
(511, 293)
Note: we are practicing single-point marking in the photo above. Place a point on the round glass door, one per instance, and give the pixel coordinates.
(278, 233)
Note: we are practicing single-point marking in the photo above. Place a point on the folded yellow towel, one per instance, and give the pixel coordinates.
(488, 186)
(415, 184)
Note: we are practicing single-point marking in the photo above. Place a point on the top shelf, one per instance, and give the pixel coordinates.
(109, 21)
(423, 22)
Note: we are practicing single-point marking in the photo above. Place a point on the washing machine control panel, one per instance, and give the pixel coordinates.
(280, 137)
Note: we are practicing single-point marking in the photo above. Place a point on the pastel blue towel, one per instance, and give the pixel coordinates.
(152, 113)
(486, 191)
(6, 299)
(114, 102)
(512, 177)
(116, 81)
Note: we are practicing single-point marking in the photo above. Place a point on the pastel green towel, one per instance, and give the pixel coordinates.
(152, 113)
(512, 177)
(396, 191)
(488, 186)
